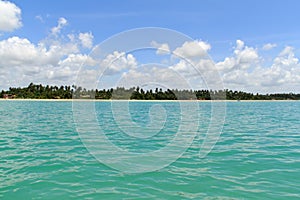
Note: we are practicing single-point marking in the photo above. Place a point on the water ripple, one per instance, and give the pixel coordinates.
(257, 156)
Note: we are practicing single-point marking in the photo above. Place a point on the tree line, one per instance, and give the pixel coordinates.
(39, 91)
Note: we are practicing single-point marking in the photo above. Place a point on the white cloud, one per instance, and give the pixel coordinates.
(161, 48)
(287, 51)
(118, 61)
(153, 77)
(247, 55)
(239, 77)
(16, 51)
(56, 60)
(10, 16)
(182, 67)
(240, 44)
(283, 75)
(189, 69)
(62, 74)
(40, 18)
(228, 64)
(286, 67)
(71, 37)
(192, 49)
(268, 46)
(86, 39)
(77, 60)
(195, 66)
(67, 70)
(87, 78)
(60, 24)
(243, 58)
(23, 62)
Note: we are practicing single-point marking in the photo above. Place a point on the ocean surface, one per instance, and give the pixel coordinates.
(43, 154)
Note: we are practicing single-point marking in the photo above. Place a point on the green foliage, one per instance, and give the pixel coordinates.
(38, 91)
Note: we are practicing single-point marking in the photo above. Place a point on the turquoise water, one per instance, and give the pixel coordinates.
(256, 157)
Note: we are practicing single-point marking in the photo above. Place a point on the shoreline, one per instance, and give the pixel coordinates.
(134, 100)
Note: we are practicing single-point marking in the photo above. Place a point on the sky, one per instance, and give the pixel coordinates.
(252, 46)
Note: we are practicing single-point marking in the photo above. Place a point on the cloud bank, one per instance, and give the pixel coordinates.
(10, 16)
(58, 57)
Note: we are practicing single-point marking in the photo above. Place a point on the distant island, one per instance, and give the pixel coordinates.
(39, 91)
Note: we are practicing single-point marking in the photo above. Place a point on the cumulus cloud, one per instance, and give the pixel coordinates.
(28, 62)
(245, 54)
(161, 48)
(116, 62)
(10, 16)
(56, 60)
(182, 67)
(243, 58)
(268, 46)
(60, 24)
(240, 44)
(52, 60)
(189, 69)
(154, 76)
(287, 51)
(282, 75)
(61, 74)
(77, 60)
(87, 78)
(192, 49)
(17, 51)
(86, 39)
(285, 68)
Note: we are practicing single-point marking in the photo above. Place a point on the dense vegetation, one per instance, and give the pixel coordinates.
(34, 91)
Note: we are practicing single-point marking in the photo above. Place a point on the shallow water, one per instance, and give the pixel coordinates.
(43, 156)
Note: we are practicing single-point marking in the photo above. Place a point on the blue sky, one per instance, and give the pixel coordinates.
(256, 22)
(212, 20)
(218, 23)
